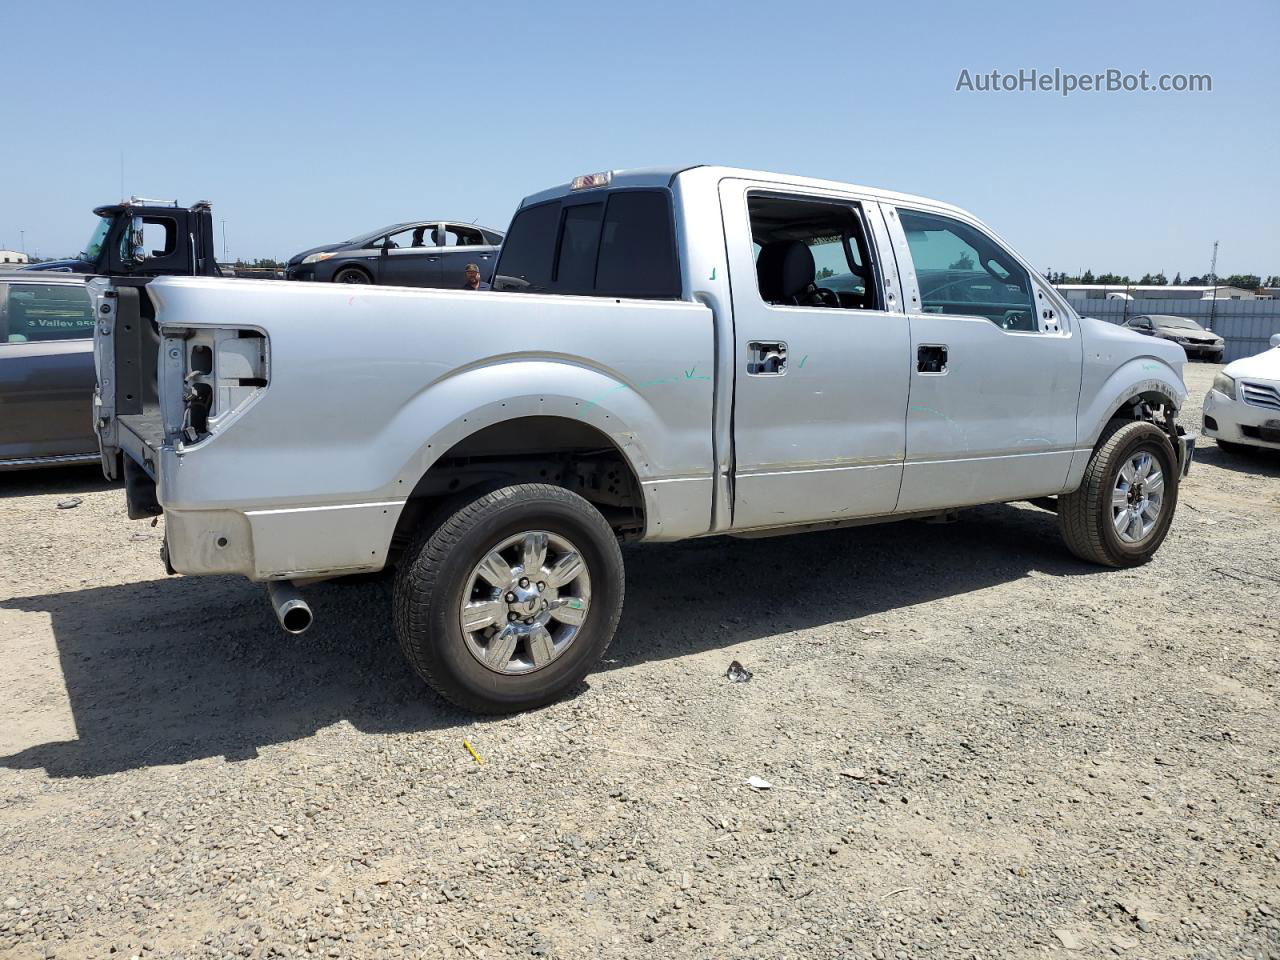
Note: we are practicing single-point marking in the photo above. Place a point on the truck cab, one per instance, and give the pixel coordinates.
(145, 238)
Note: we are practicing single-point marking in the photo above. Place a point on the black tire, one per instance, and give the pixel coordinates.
(437, 568)
(352, 275)
(1235, 449)
(1085, 515)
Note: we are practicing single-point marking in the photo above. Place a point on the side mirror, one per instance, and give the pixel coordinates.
(1275, 339)
(135, 242)
(386, 249)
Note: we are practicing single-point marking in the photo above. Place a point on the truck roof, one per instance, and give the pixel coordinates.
(665, 176)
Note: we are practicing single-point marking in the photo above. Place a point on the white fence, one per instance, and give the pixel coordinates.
(1246, 325)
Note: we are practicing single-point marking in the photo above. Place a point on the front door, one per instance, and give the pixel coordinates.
(46, 371)
(412, 257)
(822, 349)
(995, 368)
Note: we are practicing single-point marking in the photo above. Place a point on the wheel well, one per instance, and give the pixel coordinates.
(351, 266)
(555, 450)
(1152, 406)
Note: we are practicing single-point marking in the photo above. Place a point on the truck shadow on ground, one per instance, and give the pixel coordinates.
(172, 670)
(63, 481)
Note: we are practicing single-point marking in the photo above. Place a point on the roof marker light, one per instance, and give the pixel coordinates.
(589, 180)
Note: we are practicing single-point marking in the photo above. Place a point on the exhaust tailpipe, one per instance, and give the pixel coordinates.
(292, 611)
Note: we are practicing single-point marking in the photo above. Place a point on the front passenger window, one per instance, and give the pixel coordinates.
(963, 272)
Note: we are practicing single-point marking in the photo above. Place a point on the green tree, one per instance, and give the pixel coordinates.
(1087, 277)
(1177, 279)
(1247, 281)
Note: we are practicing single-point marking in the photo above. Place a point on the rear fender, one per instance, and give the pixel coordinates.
(498, 392)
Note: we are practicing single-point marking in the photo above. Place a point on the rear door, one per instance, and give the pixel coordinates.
(822, 356)
(412, 257)
(995, 369)
(46, 371)
(463, 245)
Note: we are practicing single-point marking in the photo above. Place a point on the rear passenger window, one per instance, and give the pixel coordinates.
(811, 253)
(962, 271)
(622, 246)
(46, 311)
(456, 236)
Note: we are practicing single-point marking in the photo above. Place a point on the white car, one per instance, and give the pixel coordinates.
(1243, 407)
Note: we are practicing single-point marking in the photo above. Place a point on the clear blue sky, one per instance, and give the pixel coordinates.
(306, 123)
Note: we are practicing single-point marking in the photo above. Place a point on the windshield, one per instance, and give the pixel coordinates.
(94, 246)
(1180, 323)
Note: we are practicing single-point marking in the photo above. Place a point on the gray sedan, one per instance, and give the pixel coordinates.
(46, 371)
(420, 253)
(1193, 338)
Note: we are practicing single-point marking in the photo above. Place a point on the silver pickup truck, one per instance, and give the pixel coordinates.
(665, 354)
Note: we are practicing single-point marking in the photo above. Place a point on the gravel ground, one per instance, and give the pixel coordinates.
(978, 747)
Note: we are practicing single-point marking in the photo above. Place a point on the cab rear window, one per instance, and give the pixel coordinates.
(621, 244)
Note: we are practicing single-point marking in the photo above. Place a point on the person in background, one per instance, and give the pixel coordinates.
(473, 281)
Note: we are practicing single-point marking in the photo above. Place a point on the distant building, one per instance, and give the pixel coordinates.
(13, 256)
(1135, 291)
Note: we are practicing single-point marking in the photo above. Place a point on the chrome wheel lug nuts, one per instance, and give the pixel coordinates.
(524, 581)
(511, 598)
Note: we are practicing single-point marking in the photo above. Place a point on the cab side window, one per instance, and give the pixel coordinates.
(45, 311)
(811, 253)
(963, 272)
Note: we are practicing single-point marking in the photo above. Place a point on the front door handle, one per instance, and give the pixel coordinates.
(766, 358)
(931, 358)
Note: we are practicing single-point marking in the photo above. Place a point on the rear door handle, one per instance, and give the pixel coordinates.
(931, 358)
(766, 358)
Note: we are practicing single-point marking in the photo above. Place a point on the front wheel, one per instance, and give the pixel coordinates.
(511, 600)
(1121, 512)
(351, 275)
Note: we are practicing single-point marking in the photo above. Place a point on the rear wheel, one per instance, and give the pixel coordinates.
(1121, 512)
(508, 602)
(352, 275)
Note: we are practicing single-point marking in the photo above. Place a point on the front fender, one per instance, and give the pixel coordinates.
(1142, 376)
(1146, 377)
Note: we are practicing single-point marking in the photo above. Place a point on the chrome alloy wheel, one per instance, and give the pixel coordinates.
(1137, 498)
(525, 602)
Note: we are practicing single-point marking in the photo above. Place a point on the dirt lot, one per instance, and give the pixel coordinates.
(978, 747)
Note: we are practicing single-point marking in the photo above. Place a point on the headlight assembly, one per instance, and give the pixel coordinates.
(1225, 385)
(317, 257)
